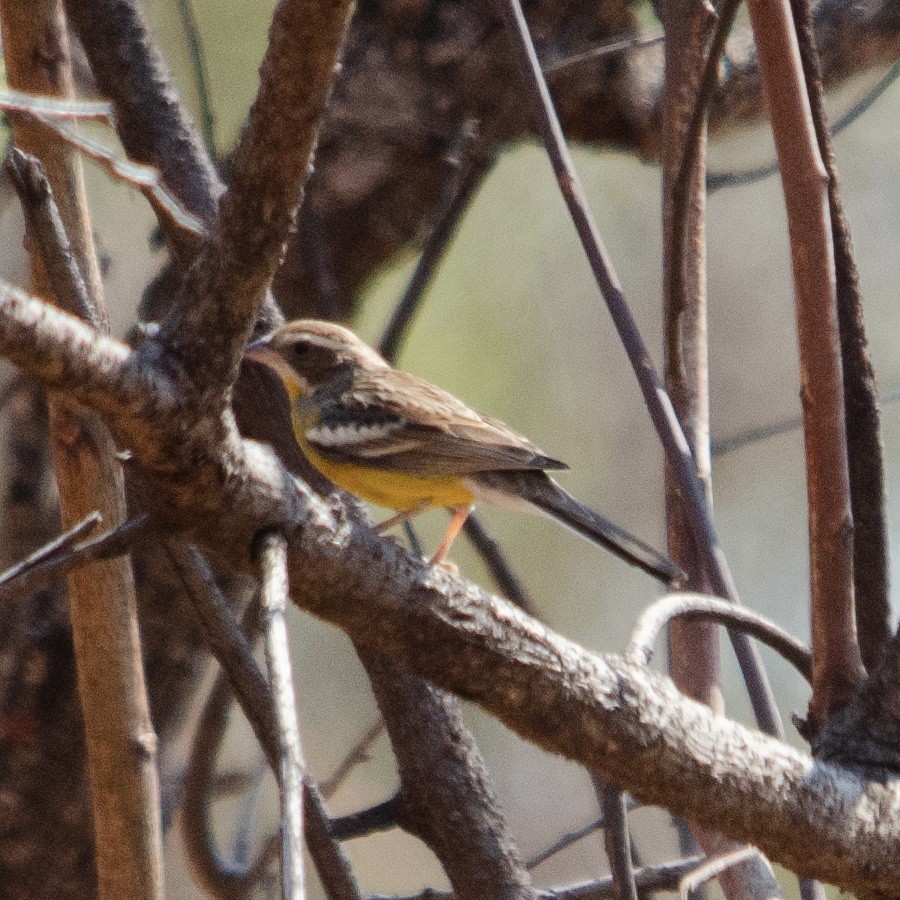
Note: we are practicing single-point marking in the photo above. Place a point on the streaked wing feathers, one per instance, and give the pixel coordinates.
(397, 421)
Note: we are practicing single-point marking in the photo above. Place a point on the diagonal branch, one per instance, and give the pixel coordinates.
(271, 166)
(659, 405)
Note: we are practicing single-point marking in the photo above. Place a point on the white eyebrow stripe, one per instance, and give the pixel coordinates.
(350, 435)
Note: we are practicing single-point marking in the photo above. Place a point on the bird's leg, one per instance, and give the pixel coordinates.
(460, 514)
(403, 516)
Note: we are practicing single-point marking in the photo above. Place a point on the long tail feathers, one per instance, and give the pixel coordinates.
(562, 506)
(543, 493)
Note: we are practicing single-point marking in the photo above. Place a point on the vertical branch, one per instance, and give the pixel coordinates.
(272, 562)
(690, 76)
(871, 575)
(120, 739)
(693, 646)
(836, 661)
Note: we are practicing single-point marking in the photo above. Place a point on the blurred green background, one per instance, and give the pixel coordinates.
(514, 324)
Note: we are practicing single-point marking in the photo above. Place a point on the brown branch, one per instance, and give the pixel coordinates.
(151, 121)
(121, 743)
(271, 165)
(443, 777)
(690, 78)
(380, 817)
(710, 609)
(234, 653)
(616, 837)
(865, 453)
(836, 661)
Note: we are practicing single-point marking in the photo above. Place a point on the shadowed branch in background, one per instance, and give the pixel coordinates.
(716, 181)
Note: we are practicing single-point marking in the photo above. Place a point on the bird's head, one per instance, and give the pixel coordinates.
(309, 353)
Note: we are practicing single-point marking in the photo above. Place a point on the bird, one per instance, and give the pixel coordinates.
(402, 443)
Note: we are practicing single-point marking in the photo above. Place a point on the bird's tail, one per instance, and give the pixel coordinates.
(543, 493)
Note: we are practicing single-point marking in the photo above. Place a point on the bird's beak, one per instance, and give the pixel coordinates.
(265, 354)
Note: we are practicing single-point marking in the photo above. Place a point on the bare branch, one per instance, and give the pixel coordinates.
(56, 559)
(616, 838)
(380, 817)
(152, 122)
(865, 453)
(711, 609)
(57, 548)
(443, 777)
(233, 652)
(358, 754)
(271, 553)
(120, 740)
(836, 662)
(714, 867)
(271, 164)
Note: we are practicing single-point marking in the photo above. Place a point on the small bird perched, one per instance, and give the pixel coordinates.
(400, 442)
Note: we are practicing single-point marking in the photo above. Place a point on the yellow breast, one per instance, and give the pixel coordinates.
(384, 487)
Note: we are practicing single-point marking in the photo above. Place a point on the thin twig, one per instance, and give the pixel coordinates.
(57, 547)
(571, 837)
(45, 226)
(467, 171)
(684, 176)
(201, 76)
(717, 180)
(713, 867)
(711, 609)
(272, 561)
(145, 179)
(55, 107)
(658, 402)
(358, 754)
(601, 51)
(32, 574)
(380, 817)
(491, 553)
(616, 837)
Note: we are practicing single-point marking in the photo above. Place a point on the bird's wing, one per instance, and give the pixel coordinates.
(394, 420)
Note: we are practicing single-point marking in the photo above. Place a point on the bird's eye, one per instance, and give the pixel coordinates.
(300, 349)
